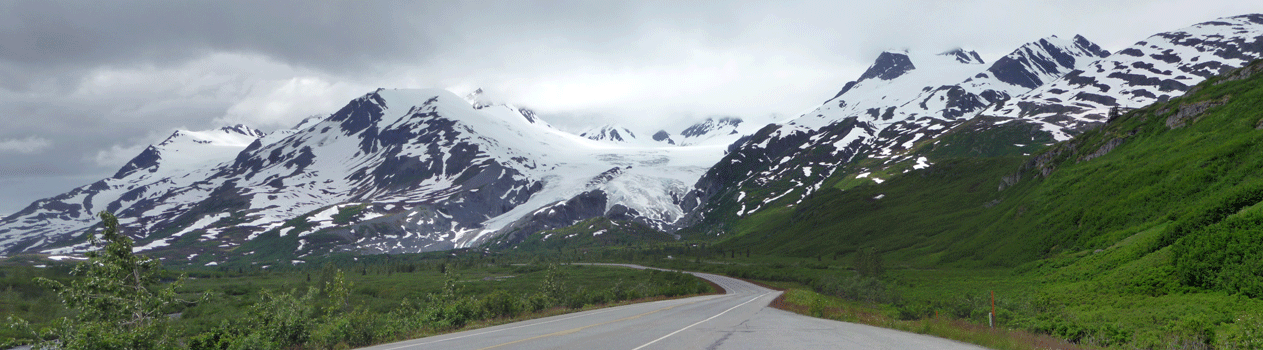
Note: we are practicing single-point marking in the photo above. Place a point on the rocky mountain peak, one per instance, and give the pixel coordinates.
(888, 66)
(243, 130)
(1040, 62)
(663, 136)
(1155, 69)
(710, 125)
(964, 56)
(1087, 46)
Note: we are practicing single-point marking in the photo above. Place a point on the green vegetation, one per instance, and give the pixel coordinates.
(972, 140)
(347, 213)
(1143, 233)
(118, 300)
(595, 232)
(115, 299)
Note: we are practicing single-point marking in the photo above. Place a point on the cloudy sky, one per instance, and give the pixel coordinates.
(85, 86)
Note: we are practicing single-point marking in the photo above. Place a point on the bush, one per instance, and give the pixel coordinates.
(1245, 333)
(283, 318)
(856, 288)
(537, 302)
(358, 328)
(500, 304)
(1223, 256)
(868, 263)
(577, 299)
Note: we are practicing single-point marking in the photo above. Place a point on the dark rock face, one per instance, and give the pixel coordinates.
(1101, 99)
(1077, 78)
(582, 207)
(845, 88)
(1021, 67)
(889, 65)
(147, 159)
(963, 56)
(1089, 46)
(1013, 71)
(663, 135)
(1164, 85)
(959, 102)
(1188, 113)
(360, 114)
(529, 115)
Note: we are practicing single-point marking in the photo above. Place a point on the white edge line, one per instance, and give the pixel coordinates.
(700, 322)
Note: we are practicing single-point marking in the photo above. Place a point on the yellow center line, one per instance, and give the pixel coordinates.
(573, 330)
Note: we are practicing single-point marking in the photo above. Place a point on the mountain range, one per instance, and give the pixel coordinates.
(421, 170)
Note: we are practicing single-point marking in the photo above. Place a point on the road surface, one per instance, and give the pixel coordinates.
(740, 319)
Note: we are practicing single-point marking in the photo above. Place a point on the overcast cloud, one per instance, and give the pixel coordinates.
(84, 86)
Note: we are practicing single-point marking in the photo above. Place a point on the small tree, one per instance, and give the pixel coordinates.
(554, 286)
(116, 298)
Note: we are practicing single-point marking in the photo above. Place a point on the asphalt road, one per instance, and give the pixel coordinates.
(740, 319)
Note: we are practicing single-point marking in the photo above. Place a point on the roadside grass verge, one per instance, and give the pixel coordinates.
(813, 304)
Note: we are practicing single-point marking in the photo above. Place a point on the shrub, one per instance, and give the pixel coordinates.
(868, 263)
(856, 288)
(500, 304)
(1223, 256)
(1245, 333)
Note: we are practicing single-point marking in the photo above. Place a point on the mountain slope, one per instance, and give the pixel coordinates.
(393, 171)
(1156, 69)
(163, 178)
(1182, 172)
(902, 100)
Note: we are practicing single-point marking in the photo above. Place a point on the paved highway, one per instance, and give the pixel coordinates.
(740, 319)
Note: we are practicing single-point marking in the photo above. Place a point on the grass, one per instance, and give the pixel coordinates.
(813, 304)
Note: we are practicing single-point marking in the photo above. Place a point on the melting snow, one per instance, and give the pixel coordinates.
(922, 163)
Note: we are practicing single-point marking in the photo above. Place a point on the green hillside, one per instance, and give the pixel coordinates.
(1084, 194)
(1144, 233)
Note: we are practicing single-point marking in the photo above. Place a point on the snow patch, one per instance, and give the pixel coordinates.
(922, 163)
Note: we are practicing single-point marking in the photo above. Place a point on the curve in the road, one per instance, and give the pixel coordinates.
(739, 319)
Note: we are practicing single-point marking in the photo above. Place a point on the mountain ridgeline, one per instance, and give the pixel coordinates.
(935, 158)
(1174, 183)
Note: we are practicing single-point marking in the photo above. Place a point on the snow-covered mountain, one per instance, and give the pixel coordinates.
(393, 171)
(1162, 66)
(908, 108)
(903, 99)
(422, 170)
(611, 133)
(154, 186)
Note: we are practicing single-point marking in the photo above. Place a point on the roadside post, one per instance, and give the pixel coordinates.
(991, 316)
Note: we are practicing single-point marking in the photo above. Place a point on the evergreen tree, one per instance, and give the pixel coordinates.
(117, 299)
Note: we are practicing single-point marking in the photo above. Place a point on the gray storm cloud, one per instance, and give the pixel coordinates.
(85, 85)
